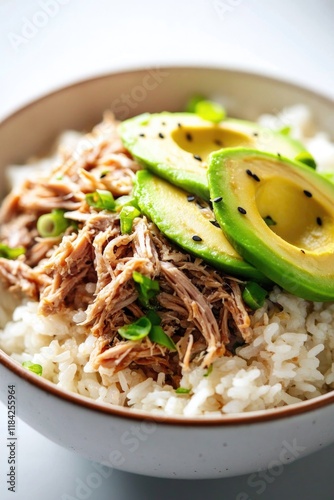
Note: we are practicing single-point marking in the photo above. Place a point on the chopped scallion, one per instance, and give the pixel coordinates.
(147, 289)
(7, 252)
(52, 224)
(127, 216)
(101, 198)
(306, 158)
(206, 109)
(158, 336)
(182, 390)
(192, 103)
(33, 367)
(211, 111)
(254, 295)
(104, 173)
(124, 201)
(153, 317)
(285, 130)
(137, 330)
(147, 326)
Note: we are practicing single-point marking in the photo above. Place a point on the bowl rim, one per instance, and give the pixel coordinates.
(269, 77)
(223, 420)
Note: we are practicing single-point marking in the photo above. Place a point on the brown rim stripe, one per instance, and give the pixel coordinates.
(239, 73)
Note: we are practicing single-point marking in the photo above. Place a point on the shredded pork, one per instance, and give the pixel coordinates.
(90, 268)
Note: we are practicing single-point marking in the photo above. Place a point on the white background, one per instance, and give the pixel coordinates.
(73, 39)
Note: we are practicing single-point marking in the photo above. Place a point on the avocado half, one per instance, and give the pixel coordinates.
(176, 146)
(279, 215)
(184, 220)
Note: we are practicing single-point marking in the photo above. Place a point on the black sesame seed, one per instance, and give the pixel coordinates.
(255, 134)
(218, 142)
(218, 199)
(163, 123)
(197, 238)
(104, 174)
(242, 210)
(319, 221)
(141, 135)
(215, 223)
(189, 137)
(302, 251)
(161, 135)
(279, 155)
(179, 125)
(307, 193)
(197, 157)
(191, 197)
(254, 176)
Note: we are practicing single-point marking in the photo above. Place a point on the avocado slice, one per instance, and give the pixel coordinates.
(176, 146)
(279, 215)
(186, 221)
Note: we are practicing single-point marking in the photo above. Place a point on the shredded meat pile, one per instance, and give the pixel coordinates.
(90, 267)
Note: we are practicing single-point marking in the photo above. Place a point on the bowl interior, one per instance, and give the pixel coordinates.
(32, 129)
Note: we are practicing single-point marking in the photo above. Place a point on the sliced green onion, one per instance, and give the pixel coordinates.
(147, 289)
(182, 390)
(101, 198)
(137, 330)
(126, 200)
(53, 224)
(285, 130)
(254, 295)
(158, 336)
(7, 252)
(211, 111)
(127, 216)
(269, 221)
(33, 367)
(306, 158)
(153, 317)
(209, 370)
(104, 173)
(144, 327)
(192, 103)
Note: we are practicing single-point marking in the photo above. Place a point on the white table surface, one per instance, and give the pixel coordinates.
(45, 44)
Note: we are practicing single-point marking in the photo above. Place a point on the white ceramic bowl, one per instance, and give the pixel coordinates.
(127, 439)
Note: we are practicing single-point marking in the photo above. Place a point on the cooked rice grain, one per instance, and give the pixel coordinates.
(290, 359)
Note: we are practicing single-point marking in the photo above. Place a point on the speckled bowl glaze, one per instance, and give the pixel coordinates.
(133, 441)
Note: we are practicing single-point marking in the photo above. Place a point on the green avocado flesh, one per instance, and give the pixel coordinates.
(279, 215)
(180, 220)
(176, 146)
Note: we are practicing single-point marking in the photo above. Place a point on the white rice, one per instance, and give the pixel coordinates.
(290, 359)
